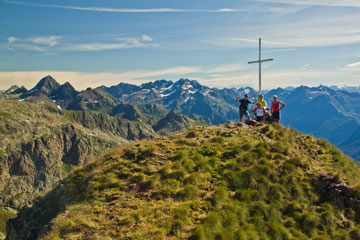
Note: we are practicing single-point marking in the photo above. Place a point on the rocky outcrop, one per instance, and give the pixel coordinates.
(333, 189)
(42, 162)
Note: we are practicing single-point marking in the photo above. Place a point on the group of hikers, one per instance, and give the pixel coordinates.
(261, 112)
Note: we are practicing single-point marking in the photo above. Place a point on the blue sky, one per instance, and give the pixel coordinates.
(93, 43)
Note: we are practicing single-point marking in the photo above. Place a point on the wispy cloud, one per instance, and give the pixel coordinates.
(321, 30)
(248, 40)
(337, 3)
(226, 68)
(120, 43)
(280, 50)
(353, 65)
(305, 66)
(53, 44)
(46, 41)
(41, 43)
(132, 10)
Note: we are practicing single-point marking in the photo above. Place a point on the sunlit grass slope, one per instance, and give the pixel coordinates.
(220, 182)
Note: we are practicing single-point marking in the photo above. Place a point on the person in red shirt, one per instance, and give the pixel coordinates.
(276, 106)
(259, 112)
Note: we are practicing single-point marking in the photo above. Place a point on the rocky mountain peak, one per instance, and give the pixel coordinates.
(66, 89)
(46, 85)
(158, 84)
(187, 83)
(14, 89)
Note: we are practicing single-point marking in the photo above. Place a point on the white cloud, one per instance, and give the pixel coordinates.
(227, 10)
(254, 40)
(40, 43)
(353, 65)
(52, 43)
(134, 10)
(305, 66)
(337, 3)
(146, 38)
(327, 28)
(46, 41)
(279, 50)
(12, 39)
(124, 43)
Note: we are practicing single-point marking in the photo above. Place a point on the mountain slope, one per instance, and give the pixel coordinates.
(40, 144)
(174, 122)
(64, 95)
(225, 182)
(93, 99)
(351, 146)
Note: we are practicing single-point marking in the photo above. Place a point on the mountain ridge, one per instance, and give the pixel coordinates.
(323, 111)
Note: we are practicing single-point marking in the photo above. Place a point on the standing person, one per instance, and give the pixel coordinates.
(243, 108)
(275, 109)
(261, 100)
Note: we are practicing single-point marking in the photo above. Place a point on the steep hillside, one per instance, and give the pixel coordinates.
(40, 144)
(225, 182)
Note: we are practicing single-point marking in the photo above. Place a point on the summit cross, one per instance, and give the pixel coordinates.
(259, 62)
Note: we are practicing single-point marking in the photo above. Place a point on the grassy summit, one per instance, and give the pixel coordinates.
(220, 182)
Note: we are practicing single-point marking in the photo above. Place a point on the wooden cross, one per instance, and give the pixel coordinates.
(259, 62)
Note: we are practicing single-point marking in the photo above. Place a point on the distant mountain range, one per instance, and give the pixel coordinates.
(346, 88)
(322, 111)
(326, 112)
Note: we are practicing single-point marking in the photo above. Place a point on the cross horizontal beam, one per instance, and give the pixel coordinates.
(261, 61)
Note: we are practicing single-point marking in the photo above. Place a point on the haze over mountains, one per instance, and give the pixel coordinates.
(326, 112)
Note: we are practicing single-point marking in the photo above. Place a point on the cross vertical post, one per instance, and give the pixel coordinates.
(259, 62)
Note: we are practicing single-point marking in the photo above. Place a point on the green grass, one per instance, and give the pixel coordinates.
(208, 183)
(4, 216)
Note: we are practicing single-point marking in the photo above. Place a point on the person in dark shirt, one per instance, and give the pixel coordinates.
(243, 108)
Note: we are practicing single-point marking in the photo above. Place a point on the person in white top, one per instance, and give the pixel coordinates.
(259, 112)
